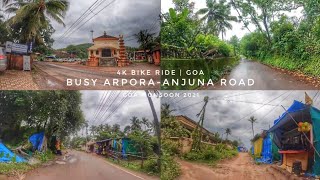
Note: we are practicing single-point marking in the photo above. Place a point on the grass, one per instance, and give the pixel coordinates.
(210, 156)
(307, 67)
(12, 169)
(150, 165)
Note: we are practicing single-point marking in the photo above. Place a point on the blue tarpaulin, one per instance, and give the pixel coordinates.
(8, 156)
(266, 154)
(37, 141)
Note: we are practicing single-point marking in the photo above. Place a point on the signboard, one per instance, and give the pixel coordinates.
(8, 46)
(26, 63)
(16, 48)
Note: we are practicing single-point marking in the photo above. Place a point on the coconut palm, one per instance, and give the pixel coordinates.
(217, 16)
(252, 120)
(32, 17)
(228, 132)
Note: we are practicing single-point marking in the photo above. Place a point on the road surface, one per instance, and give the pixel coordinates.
(240, 168)
(267, 78)
(53, 76)
(83, 166)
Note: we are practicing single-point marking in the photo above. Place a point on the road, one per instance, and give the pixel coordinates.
(53, 76)
(267, 78)
(83, 166)
(240, 168)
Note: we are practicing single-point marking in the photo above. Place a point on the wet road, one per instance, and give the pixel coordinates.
(265, 78)
(83, 166)
(53, 76)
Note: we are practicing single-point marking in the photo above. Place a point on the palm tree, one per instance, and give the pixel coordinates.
(145, 39)
(165, 110)
(32, 17)
(135, 123)
(252, 120)
(217, 16)
(228, 132)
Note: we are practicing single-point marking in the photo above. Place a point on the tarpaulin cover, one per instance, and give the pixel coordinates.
(124, 147)
(315, 115)
(258, 147)
(37, 140)
(299, 111)
(266, 154)
(8, 156)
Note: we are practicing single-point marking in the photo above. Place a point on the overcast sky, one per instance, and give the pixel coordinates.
(237, 30)
(135, 106)
(226, 111)
(125, 17)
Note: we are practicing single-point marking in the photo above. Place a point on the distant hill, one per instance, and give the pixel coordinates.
(80, 50)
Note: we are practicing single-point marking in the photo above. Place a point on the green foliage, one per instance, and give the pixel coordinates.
(11, 169)
(81, 50)
(26, 112)
(210, 154)
(44, 156)
(170, 169)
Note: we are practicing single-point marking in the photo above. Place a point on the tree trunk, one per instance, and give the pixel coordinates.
(157, 127)
(252, 131)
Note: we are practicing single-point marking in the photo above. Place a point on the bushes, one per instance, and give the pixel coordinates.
(170, 169)
(211, 154)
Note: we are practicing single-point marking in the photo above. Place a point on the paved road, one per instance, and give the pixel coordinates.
(83, 166)
(53, 76)
(240, 168)
(267, 78)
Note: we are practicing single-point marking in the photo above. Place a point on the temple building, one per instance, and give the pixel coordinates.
(107, 51)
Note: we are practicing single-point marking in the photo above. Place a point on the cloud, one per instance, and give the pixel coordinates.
(125, 17)
(232, 109)
(135, 106)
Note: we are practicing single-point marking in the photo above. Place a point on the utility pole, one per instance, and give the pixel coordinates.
(197, 133)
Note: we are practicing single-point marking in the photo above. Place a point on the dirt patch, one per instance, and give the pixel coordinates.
(240, 168)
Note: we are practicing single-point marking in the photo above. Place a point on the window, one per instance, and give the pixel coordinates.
(97, 53)
(106, 53)
(91, 53)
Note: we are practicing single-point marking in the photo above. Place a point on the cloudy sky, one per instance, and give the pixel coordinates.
(237, 27)
(231, 109)
(135, 106)
(125, 17)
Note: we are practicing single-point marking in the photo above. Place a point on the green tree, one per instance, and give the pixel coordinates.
(146, 40)
(228, 132)
(32, 17)
(235, 42)
(217, 15)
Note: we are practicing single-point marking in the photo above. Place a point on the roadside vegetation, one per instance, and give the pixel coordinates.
(190, 40)
(140, 131)
(291, 43)
(201, 152)
(24, 113)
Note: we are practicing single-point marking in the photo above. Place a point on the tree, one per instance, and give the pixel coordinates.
(165, 110)
(235, 42)
(135, 123)
(32, 17)
(228, 132)
(26, 112)
(145, 39)
(252, 120)
(217, 15)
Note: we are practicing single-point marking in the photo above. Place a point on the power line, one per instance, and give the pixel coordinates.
(114, 100)
(107, 101)
(102, 101)
(78, 20)
(91, 17)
